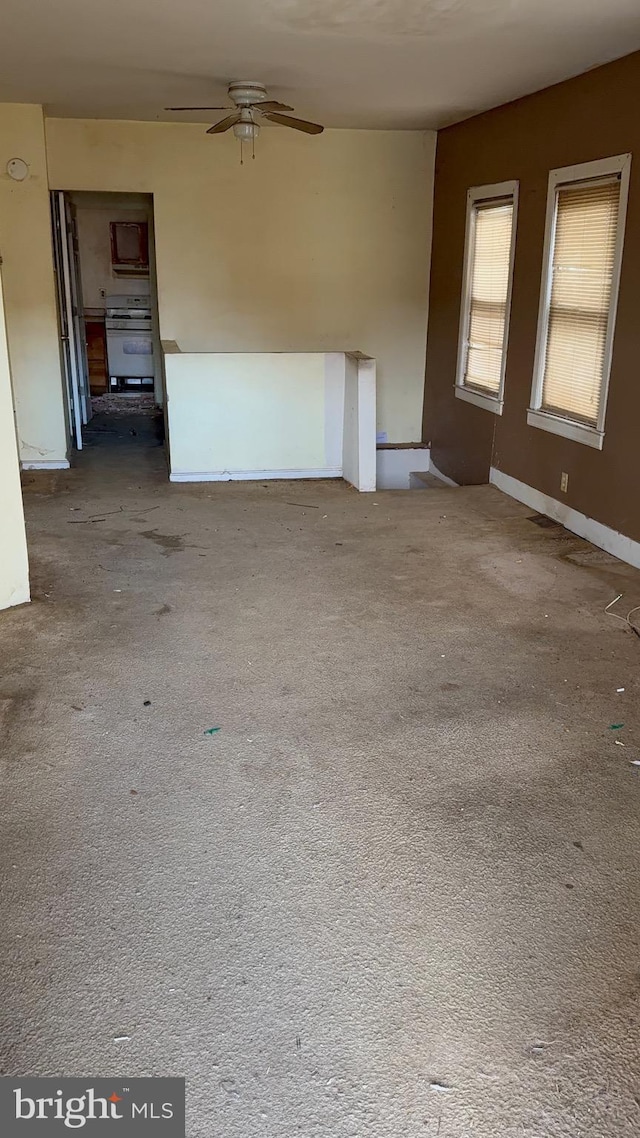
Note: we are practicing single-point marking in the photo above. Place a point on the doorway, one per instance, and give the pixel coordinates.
(108, 316)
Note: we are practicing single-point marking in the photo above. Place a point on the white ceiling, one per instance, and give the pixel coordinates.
(357, 63)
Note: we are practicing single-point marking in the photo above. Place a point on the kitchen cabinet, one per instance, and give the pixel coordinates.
(96, 340)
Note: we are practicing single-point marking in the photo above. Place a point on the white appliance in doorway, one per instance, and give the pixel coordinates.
(130, 336)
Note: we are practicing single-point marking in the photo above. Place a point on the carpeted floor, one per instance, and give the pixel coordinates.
(396, 892)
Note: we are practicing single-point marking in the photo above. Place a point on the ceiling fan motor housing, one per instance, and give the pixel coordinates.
(244, 93)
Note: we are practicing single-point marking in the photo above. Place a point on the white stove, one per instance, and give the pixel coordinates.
(130, 338)
(121, 307)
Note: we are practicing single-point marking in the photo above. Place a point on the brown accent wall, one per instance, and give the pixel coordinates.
(593, 116)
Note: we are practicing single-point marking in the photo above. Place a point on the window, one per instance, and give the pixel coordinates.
(486, 295)
(586, 207)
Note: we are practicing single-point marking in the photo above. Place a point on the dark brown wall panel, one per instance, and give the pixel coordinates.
(590, 117)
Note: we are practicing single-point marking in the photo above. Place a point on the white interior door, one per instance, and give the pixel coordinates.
(68, 325)
(78, 312)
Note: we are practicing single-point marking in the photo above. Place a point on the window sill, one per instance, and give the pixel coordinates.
(568, 428)
(488, 402)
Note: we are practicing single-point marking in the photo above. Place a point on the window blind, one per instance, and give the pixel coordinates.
(582, 266)
(489, 288)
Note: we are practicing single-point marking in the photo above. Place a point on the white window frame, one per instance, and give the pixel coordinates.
(475, 196)
(537, 417)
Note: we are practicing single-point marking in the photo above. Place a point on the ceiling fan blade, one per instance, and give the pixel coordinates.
(224, 124)
(297, 124)
(271, 105)
(197, 108)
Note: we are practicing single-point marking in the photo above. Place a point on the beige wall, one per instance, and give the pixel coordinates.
(25, 246)
(320, 244)
(249, 414)
(14, 567)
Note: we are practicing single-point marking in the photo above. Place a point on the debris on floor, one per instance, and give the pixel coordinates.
(546, 522)
(212, 731)
(123, 404)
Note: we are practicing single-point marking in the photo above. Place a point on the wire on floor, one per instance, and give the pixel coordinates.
(625, 619)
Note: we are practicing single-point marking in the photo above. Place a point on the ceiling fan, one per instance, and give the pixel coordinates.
(251, 103)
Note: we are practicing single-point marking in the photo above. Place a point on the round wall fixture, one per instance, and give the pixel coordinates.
(17, 169)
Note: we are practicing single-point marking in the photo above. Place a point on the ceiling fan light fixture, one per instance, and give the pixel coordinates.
(246, 131)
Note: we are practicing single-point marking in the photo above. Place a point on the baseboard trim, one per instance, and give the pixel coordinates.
(56, 464)
(598, 534)
(251, 475)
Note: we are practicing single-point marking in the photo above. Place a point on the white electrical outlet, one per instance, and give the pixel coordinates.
(103, 293)
(564, 482)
